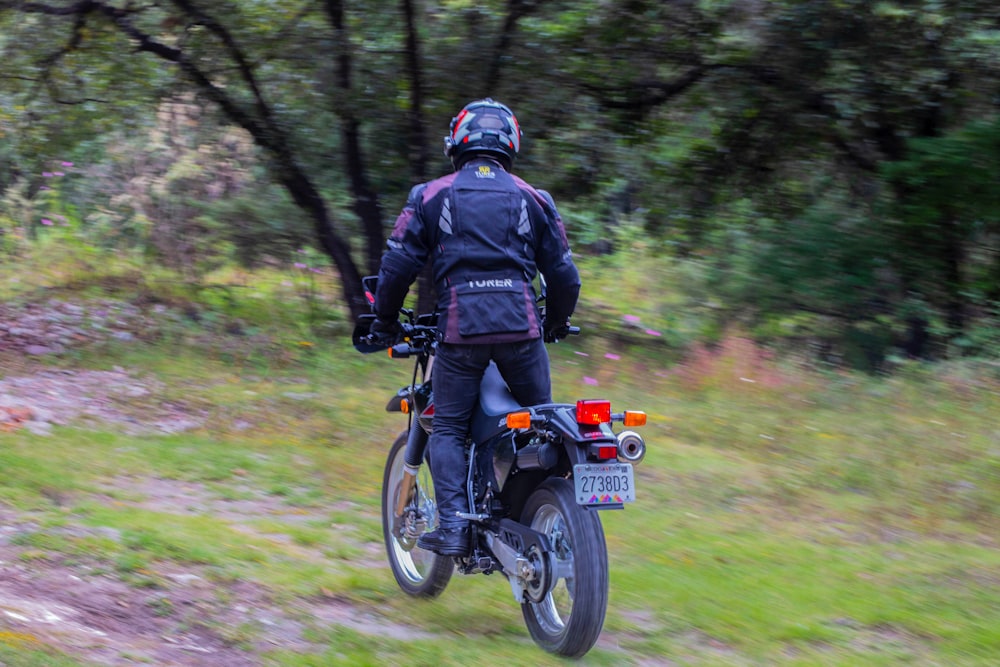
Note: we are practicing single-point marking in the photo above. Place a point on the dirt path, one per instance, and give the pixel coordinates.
(81, 606)
(186, 618)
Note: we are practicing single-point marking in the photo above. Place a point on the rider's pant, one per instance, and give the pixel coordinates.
(456, 375)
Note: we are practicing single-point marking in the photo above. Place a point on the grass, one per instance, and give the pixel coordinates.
(786, 516)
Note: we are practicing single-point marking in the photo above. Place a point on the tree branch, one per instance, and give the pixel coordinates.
(819, 102)
(262, 126)
(82, 7)
(516, 10)
(242, 62)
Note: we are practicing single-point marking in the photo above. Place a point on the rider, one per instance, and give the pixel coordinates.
(487, 233)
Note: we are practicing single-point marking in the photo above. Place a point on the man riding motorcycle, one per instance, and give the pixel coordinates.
(487, 234)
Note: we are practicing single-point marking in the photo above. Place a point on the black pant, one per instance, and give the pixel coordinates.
(457, 372)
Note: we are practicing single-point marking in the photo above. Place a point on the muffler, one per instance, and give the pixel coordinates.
(631, 447)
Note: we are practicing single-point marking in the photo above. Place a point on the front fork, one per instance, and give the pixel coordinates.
(416, 445)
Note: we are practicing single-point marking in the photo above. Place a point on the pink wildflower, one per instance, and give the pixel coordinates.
(300, 265)
(589, 380)
(632, 319)
(612, 356)
(46, 221)
(58, 173)
(66, 164)
(653, 332)
(46, 174)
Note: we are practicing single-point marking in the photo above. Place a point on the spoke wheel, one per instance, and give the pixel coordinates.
(568, 620)
(418, 572)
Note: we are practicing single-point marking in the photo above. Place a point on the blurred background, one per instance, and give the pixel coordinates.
(820, 175)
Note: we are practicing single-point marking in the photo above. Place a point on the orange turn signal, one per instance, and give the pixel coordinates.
(519, 420)
(404, 407)
(634, 418)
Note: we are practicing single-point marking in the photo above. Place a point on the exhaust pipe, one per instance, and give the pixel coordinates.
(631, 446)
(537, 457)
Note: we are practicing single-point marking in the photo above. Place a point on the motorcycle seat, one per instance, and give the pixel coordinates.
(494, 396)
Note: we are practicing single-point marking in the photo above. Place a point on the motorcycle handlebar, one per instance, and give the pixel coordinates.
(414, 338)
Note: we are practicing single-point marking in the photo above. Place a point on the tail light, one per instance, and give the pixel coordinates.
(605, 452)
(593, 412)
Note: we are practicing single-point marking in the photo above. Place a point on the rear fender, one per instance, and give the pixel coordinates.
(577, 439)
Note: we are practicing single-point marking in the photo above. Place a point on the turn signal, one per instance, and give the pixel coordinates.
(519, 420)
(404, 406)
(593, 412)
(634, 418)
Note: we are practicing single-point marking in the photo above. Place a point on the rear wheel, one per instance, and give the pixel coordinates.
(569, 618)
(418, 572)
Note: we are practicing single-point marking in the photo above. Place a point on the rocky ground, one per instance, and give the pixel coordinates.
(54, 326)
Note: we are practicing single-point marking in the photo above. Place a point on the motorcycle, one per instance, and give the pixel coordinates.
(537, 478)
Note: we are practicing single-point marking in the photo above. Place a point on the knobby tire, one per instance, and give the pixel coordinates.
(418, 572)
(569, 619)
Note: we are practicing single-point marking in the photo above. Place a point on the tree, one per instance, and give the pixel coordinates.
(709, 121)
(285, 72)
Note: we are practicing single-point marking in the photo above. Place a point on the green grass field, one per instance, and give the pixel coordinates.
(785, 515)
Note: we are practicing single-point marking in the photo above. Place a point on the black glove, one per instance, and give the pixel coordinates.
(384, 332)
(552, 333)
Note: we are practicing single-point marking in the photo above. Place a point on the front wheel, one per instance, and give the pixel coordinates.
(418, 572)
(568, 620)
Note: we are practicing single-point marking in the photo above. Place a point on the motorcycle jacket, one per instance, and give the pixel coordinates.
(487, 234)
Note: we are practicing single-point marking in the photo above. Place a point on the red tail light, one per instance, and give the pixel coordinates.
(593, 412)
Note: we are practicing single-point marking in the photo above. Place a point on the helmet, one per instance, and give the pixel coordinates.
(483, 127)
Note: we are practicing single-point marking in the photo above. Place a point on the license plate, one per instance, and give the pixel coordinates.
(604, 483)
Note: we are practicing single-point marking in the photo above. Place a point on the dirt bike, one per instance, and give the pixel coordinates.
(536, 477)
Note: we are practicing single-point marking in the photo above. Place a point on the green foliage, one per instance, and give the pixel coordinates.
(750, 141)
(948, 211)
(818, 277)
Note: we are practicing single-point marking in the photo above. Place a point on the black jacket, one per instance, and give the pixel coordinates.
(487, 234)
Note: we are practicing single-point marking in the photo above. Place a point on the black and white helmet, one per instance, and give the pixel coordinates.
(484, 127)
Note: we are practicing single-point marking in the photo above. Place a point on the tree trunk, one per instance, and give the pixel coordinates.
(516, 10)
(307, 197)
(366, 204)
(953, 255)
(419, 151)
